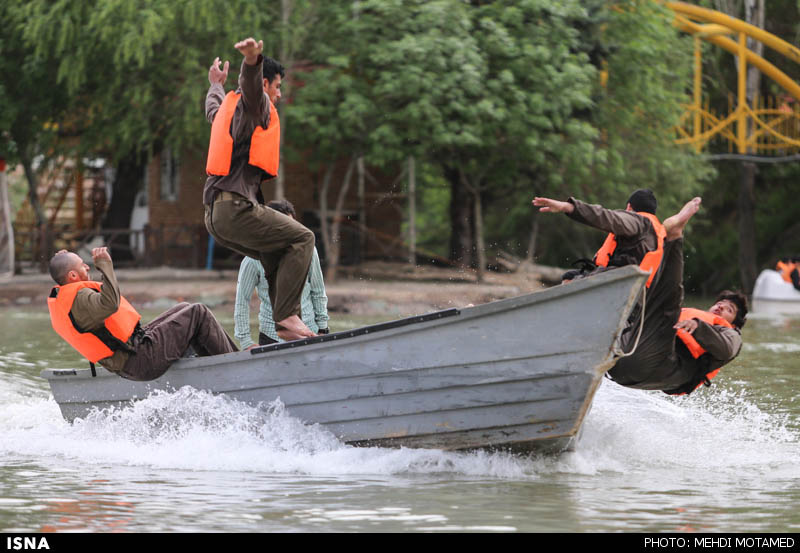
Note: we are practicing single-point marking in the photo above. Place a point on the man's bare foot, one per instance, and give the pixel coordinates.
(293, 328)
(674, 225)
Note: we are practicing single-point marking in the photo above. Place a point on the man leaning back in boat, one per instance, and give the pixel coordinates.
(95, 319)
(679, 349)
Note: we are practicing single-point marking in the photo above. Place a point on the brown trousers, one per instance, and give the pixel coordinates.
(167, 337)
(283, 246)
(655, 364)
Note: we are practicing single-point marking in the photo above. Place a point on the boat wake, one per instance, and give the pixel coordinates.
(709, 434)
(626, 431)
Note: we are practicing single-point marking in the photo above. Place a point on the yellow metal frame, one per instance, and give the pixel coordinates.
(768, 126)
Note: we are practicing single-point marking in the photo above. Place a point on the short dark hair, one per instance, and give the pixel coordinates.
(740, 301)
(284, 206)
(271, 68)
(644, 200)
(60, 265)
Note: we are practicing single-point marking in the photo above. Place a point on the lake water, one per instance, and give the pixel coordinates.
(722, 460)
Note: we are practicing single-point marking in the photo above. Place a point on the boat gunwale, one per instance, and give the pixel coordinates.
(409, 324)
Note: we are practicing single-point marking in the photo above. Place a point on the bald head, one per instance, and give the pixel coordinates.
(68, 267)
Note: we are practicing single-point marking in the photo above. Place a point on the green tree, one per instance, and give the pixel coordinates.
(134, 73)
(638, 109)
(479, 91)
(644, 67)
(31, 110)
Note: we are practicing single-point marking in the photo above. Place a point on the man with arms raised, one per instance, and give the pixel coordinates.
(101, 325)
(679, 348)
(245, 150)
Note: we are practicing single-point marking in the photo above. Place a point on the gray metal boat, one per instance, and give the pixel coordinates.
(516, 374)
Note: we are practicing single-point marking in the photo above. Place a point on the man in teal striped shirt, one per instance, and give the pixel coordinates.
(313, 303)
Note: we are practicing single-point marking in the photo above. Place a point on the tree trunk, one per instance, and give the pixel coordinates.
(6, 229)
(532, 239)
(333, 236)
(324, 229)
(412, 212)
(33, 190)
(462, 244)
(280, 179)
(747, 225)
(754, 14)
(362, 209)
(283, 57)
(127, 182)
(41, 247)
(480, 247)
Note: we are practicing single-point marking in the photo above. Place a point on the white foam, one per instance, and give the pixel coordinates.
(626, 431)
(715, 431)
(774, 347)
(194, 430)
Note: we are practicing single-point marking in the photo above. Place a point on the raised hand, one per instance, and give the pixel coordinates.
(217, 75)
(250, 49)
(100, 254)
(546, 205)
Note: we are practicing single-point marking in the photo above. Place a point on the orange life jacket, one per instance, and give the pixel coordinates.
(265, 144)
(93, 345)
(785, 268)
(651, 260)
(693, 345)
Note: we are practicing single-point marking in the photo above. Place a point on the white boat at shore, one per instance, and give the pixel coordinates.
(518, 374)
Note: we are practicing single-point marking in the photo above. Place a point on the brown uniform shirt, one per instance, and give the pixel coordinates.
(91, 308)
(633, 232)
(252, 110)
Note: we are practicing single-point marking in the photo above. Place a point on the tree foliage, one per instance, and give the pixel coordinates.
(497, 101)
(482, 91)
(136, 69)
(133, 74)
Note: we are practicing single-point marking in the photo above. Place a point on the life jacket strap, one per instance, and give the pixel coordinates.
(104, 335)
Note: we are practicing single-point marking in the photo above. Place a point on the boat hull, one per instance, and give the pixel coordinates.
(773, 295)
(518, 373)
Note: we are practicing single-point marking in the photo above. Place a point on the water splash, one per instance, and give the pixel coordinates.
(718, 431)
(194, 430)
(626, 431)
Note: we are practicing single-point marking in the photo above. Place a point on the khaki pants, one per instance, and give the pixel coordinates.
(167, 337)
(283, 246)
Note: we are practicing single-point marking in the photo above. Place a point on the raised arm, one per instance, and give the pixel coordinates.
(216, 89)
(91, 308)
(251, 78)
(548, 205)
(618, 222)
